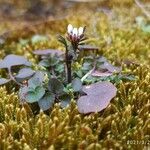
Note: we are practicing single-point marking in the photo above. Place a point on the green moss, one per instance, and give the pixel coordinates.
(126, 118)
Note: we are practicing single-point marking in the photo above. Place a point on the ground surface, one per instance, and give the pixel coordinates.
(111, 25)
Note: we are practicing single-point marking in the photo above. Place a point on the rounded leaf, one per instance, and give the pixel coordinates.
(35, 95)
(55, 86)
(47, 101)
(36, 80)
(48, 52)
(92, 103)
(24, 73)
(100, 88)
(98, 97)
(14, 60)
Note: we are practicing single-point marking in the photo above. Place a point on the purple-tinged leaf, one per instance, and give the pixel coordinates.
(92, 103)
(46, 102)
(99, 88)
(88, 48)
(4, 81)
(24, 73)
(98, 73)
(98, 97)
(48, 52)
(13, 60)
(110, 67)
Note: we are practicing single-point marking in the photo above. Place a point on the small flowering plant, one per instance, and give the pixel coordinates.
(74, 37)
(60, 76)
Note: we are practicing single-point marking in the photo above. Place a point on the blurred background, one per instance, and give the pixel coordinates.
(26, 14)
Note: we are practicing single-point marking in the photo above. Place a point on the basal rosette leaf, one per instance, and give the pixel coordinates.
(47, 101)
(13, 60)
(24, 73)
(55, 86)
(36, 80)
(47, 52)
(35, 95)
(98, 97)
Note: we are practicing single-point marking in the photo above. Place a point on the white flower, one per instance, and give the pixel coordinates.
(75, 32)
(80, 31)
(70, 29)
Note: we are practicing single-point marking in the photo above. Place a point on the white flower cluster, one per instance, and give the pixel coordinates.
(75, 34)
